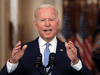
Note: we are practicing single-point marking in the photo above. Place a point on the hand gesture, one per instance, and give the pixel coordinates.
(71, 52)
(17, 53)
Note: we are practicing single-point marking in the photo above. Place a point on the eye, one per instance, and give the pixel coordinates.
(51, 19)
(42, 20)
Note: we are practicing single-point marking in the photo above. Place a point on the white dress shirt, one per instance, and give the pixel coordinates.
(53, 44)
(42, 46)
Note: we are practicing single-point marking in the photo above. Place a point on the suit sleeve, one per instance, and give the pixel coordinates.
(84, 70)
(15, 72)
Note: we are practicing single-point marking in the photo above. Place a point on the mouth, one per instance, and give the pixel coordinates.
(48, 30)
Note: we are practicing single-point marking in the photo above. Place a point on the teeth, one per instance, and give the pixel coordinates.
(47, 31)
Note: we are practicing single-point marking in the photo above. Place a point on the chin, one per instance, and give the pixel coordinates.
(49, 36)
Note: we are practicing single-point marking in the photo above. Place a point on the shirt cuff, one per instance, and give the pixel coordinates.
(10, 66)
(77, 66)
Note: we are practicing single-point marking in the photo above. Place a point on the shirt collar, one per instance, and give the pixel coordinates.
(52, 42)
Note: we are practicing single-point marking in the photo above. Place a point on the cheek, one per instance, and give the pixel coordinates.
(39, 27)
(56, 27)
(40, 30)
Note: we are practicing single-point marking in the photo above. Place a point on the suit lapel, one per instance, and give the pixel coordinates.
(35, 50)
(60, 51)
(35, 47)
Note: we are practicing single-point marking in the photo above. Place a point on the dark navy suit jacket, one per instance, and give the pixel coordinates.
(63, 67)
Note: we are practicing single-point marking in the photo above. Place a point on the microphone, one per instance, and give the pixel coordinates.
(38, 62)
(52, 62)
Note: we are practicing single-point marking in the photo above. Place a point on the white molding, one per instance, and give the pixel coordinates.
(14, 19)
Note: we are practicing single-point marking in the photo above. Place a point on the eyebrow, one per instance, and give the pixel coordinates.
(51, 18)
(48, 18)
(42, 18)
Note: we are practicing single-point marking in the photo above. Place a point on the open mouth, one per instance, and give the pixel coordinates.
(48, 30)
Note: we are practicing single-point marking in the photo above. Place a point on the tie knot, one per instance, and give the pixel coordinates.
(47, 45)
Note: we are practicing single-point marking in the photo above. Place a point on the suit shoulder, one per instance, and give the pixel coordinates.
(30, 42)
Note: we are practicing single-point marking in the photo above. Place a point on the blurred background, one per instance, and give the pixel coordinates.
(79, 22)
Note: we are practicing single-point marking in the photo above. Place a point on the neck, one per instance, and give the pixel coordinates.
(48, 39)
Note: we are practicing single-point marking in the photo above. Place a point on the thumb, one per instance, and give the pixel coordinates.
(24, 47)
(66, 45)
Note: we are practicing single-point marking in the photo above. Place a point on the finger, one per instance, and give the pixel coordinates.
(15, 51)
(74, 50)
(70, 42)
(71, 46)
(18, 44)
(66, 45)
(24, 47)
(70, 52)
(17, 48)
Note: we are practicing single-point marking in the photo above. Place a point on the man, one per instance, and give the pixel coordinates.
(68, 60)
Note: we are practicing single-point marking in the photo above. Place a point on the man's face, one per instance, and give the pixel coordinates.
(47, 23)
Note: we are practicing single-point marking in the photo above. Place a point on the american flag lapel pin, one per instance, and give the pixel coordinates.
(61, 49)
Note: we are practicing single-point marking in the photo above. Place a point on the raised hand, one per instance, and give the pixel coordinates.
(71, 52)
(17, 53)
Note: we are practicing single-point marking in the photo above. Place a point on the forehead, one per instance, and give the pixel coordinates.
(46, 11)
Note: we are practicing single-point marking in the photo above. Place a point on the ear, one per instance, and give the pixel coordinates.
(35, 24)
(58, 24)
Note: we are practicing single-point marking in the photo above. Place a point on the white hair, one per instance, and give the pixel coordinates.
(44, 5)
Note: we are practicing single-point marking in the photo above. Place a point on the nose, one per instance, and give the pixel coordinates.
(47, 23)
